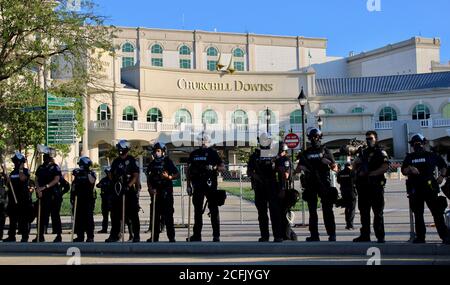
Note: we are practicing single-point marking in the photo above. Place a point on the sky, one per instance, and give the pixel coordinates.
(349, 25)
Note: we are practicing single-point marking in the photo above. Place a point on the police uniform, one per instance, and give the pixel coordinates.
(51, 199)
(263, 178)
(3, 203)
(318, 183)
(283, 165)
(122, 170)
(424, 188)
(371, 192)
(106, 194)
(84, 191)
(348, 192)
(164, 195)
(203, 177)
(19, 213)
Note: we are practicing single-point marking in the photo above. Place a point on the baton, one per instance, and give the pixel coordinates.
(153, 218)
(74, 215)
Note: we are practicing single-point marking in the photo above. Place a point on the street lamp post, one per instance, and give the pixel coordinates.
(320, 123)
(302, 100)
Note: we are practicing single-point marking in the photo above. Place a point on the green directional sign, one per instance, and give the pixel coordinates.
(61, 119)
(61, 123)
(52, 141)
(32, 109)
(61, 112)
(60, 132)
(54, 101)
(60, 104)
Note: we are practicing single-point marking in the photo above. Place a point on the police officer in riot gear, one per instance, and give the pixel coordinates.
(316, 162)
(3, 201)
(125, 176)
(106, 193)
(47, 189)
(261, 170)
(370, 165)
(423, 187)
(283, 168)
(204, 164)
(160, 173)
(83, 190)
(19, 213)
(348, 192)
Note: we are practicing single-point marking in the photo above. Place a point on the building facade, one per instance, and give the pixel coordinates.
(169, 86)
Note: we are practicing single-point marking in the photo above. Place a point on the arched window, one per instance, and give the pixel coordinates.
(156, 48)
(239, 117)
(263, 117)
(446, 111)
(237, 52)
(421, 112)
(185, 57)
(127, 47)
(296, 117)
(129, 114)
(387, 114)
(154, 115)
(212, 51)
(211, 59)
(183, 116)
(157, 51)
(328, 111)
(185, 50)
(209, 117)
(357, 110)
(103, 113)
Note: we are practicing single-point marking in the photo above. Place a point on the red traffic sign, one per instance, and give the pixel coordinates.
(291, 140)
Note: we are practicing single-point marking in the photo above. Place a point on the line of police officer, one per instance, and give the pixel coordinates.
(271, 176)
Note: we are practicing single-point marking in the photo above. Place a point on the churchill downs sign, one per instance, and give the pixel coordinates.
(237, 85)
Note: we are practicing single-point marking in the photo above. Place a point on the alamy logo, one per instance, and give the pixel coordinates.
(376, 256)
(73, 5)
(374, 5)
(75, 254)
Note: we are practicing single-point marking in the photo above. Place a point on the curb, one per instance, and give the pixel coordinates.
(233, 248)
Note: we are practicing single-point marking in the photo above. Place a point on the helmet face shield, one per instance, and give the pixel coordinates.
(123, 147)
(18, 158)
(265, 140)
(416, 139)
(314, 134)
(85, 162)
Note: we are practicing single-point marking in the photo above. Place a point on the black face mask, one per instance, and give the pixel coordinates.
(315, 143)
(370, 143)
(418, 147)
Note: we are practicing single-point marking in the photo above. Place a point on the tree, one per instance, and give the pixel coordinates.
(39, 37)
(34, 31)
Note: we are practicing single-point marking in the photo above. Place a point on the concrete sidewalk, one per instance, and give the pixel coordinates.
(240, 231)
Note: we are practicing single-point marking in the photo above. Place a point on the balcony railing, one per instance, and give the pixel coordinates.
(384, 125)
(101, 125)
(428, 123)
(244, 128)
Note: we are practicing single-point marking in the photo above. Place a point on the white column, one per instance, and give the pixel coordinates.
(85, 110)
(93, 154)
